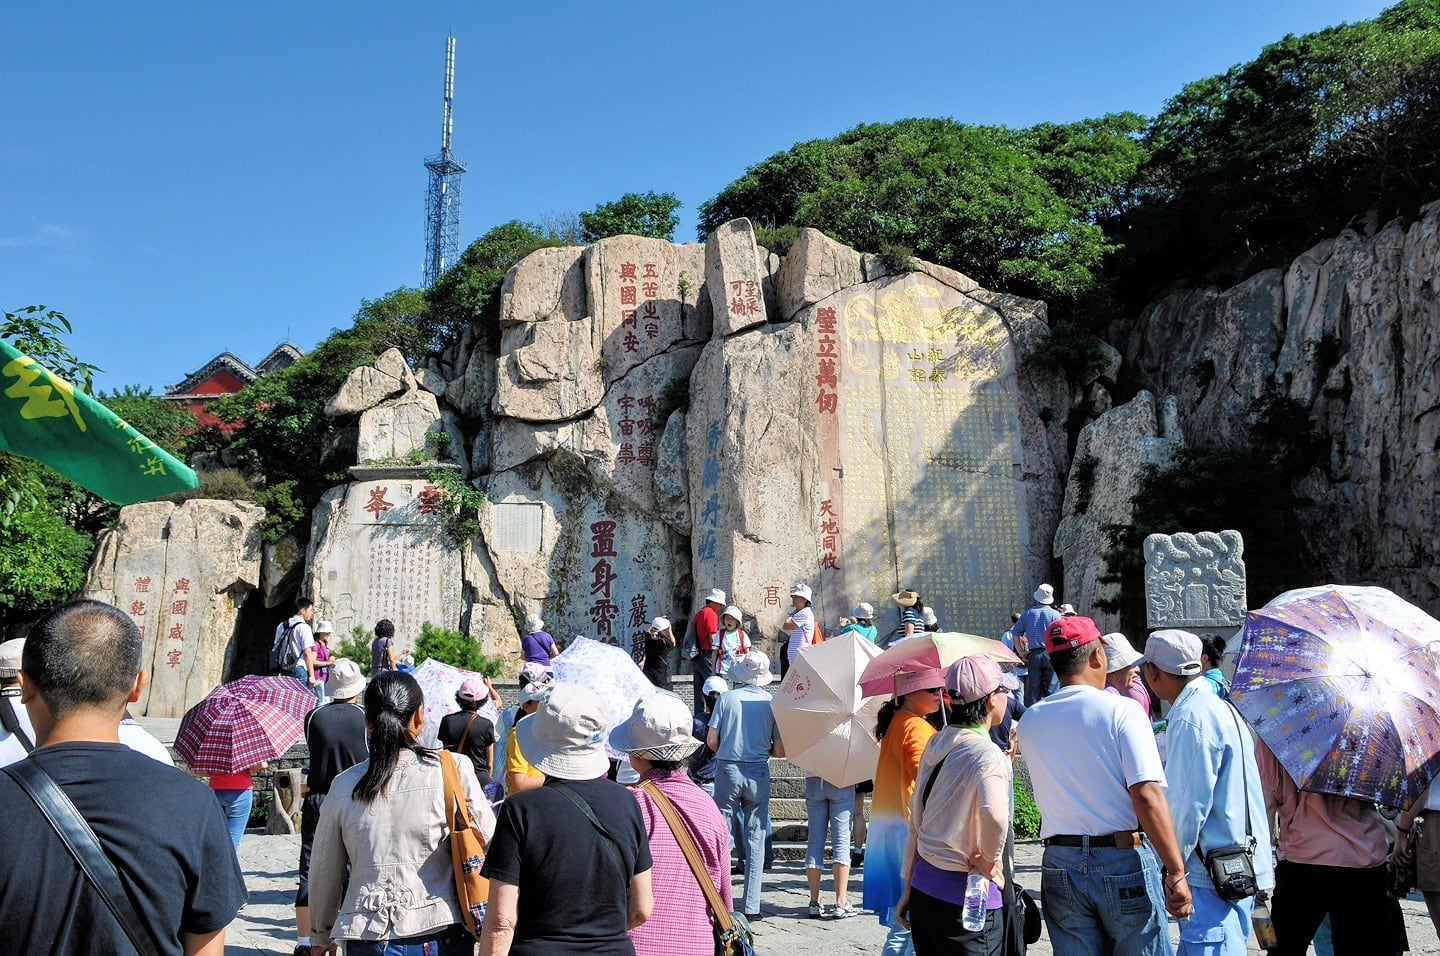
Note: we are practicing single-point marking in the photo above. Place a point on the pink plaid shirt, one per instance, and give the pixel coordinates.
(681, 924)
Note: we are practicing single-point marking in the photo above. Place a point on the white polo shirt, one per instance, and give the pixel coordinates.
(1085, 749)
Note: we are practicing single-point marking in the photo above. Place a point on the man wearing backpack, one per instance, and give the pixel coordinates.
(293, 652)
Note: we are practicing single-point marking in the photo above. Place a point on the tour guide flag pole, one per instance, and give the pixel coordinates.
(43, 417)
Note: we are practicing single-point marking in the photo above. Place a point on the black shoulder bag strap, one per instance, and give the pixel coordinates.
(85, 847)
(11, 722)
(612, 847)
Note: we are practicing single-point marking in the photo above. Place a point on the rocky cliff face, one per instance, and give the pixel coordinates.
(1351, 330)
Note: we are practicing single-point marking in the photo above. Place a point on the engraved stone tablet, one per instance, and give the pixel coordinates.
(516, 526)
(1195, 580)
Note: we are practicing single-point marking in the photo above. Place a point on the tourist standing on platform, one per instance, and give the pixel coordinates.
(960, 820)
(157, 825)
(912, 616)
(382, 649)
(323, 630)
(659, 642)
(1107, 828)
(702, 764)
(799, 627)
(236, 794)
(536, 644)
(731, 643)
(658, 740)
(1213, 786)
(744, 737)
(519, 774)
(570, 865)
(1030, 635)
(703, 628)
(861, 621)
(827, 811)
(296, 630)
(467, 732)
(335, 735)
(381, 878)
(1010, 640)
(903, 729)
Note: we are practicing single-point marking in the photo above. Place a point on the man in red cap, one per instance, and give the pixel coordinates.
(1100, 786)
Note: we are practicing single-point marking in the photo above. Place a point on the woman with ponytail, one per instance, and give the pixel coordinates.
(903, 731)
(383, 828)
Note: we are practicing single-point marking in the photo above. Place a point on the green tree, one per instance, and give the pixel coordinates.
(1018, 210)
(42, 559)
(633, 214)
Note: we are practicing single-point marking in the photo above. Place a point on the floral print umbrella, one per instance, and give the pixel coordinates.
(1342, 684)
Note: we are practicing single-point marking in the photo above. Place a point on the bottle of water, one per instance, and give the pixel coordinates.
(1264, 929)
(977, 894)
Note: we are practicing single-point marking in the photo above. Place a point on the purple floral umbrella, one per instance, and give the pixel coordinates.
(1342, 685)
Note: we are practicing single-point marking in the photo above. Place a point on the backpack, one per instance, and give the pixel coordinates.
(285, 652)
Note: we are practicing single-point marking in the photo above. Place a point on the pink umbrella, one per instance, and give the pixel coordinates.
(927, 651)
(244, 723)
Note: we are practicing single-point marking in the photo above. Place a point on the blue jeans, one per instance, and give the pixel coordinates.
(1217, 927)
(742, 792)
(452, 941)
(1037, 677)
(898, 942)
(235, 804)
(1103, 901)
(827, 808)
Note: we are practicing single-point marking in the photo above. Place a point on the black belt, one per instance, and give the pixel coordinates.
(1124, 840)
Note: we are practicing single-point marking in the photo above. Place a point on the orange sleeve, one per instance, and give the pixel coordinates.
(917, 733)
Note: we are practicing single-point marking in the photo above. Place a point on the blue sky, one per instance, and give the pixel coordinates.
(186, 178)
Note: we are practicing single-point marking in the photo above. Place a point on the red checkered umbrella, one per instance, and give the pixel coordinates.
(244, 723)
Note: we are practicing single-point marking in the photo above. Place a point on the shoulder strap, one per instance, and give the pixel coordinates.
(1244, 775)
(457, 810)
(692, 853)
(85, 847)
(611, 846)
(465, 734)
(11, 722)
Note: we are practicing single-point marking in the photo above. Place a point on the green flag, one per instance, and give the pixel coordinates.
(43, 417)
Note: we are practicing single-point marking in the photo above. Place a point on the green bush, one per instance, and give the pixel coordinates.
(456, 649)
(1027, 814)
(356, 647)
(226, 484)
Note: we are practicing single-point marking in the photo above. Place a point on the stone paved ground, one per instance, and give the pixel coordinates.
(266, 925)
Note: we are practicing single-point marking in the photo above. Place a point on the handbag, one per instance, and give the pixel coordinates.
(1232, 868)
(467, 850)
(733, 935)
(85, 847)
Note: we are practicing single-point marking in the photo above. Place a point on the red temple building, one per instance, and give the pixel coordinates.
(225, 375)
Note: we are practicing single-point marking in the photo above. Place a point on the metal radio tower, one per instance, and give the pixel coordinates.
(442, 199)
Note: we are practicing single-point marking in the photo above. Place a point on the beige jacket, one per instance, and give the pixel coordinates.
(396, 851)
(964, 824)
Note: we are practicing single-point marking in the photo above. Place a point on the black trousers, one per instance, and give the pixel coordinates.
(936, 930)
(309, 819)
(1361, 921)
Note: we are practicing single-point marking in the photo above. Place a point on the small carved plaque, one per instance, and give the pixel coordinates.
(1195, 580)
(515, 526)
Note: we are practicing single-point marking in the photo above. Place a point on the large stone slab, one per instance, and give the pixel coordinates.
(369, 385)
(182, 572)
(1195, 581)
(379, 549)
(735, 277)
(1110, 454)
(816, 268)
(398, 429)
(557, 374)
(644, 295)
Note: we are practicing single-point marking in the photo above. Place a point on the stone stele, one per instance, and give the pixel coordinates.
(1195, 580)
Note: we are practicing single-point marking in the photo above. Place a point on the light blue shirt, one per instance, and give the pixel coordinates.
(1034, 623)
(1211, 770)
(746, 725)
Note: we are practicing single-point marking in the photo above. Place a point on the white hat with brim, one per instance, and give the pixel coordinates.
(714, 684)
(1120, 652)
(1044, 594)
(565, 738)
(801, 591)
(658, 729)
(533, 623)
(733, 613)
(530, 693)
(345, 681)
(324, 627)
(863, 611)
(716, 596)
(753, 668)
(906, 598)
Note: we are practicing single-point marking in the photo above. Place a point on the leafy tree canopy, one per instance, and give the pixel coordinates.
(1016, 209)
(633, 214)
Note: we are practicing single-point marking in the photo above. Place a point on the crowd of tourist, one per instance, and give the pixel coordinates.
(588, 854)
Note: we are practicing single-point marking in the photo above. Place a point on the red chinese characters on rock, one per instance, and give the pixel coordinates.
(827, 375)
(745, 297)
(829, 536)
(378, 505)
(637, 430)
(602, 547)
(772, 597)
(173, 656)
(429, 499)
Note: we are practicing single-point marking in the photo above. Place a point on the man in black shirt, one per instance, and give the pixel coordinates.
(336, 736)
(160, 827)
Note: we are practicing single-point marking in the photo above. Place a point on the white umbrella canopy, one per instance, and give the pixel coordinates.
(440, 681)
(825, 720)
(611, 673)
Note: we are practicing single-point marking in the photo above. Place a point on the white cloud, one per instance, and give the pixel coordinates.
(47, 235)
